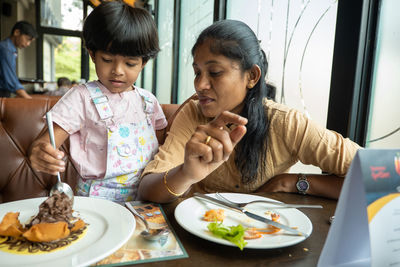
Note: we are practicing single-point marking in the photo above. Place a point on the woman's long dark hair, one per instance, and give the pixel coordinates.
(235, 40)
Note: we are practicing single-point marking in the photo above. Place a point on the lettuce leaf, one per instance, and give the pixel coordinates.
(234, 234)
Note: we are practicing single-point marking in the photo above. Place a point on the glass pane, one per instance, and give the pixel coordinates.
(65, 14)
(138, 82)
(195, 16)
(298, 38)
(61, 57)
(148, 75)
(164, 58)
(92, 71)
(147, 72)
(384, 120)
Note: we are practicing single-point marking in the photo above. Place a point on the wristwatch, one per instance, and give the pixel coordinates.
(302, 184)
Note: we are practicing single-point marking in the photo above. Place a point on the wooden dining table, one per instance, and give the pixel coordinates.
(202, 252)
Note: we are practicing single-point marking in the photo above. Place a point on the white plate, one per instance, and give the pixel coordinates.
(189, 214)
(110, 226)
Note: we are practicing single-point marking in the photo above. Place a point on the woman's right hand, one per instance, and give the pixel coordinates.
(199, 161)
(200, 158)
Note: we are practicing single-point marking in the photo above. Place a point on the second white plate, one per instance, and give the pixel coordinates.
(189, 214)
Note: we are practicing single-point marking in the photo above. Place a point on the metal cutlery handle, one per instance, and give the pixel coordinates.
(279, 204)
(49, 120)
(134, 212)
(302, 206)
(284, 205)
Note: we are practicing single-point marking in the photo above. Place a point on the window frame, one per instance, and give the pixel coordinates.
(350, 93)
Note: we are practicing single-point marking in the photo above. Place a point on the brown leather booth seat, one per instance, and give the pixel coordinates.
(21, 122)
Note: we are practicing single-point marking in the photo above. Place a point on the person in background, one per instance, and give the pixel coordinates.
(234, 138)
(64, 84)
(110, 122)
(22, 35)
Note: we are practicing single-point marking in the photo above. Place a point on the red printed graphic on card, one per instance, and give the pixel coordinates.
(379, 172)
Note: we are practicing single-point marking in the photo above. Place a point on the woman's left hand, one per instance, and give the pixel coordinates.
(284, 182)
(320, 184)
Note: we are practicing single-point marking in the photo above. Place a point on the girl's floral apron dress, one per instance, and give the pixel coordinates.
(130, 147)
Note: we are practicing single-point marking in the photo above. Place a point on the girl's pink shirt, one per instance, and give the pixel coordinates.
(77, 115)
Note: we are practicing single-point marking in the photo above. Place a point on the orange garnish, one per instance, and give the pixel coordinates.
(251, 234)
(214, 215)
(10, 225)
(266, 231)
(78, 225)
(46, 232)
(275, 217)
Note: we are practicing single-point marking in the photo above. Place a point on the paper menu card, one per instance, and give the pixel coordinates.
(366, 228)
(138, 250)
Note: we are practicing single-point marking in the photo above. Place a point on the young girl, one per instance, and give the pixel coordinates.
(111, 123)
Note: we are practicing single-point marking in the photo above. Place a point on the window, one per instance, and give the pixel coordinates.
(148, 75)
(298, 39)
(62, 14)
(195, 16)
(384, 122)
(59, 48)
(61, 57)
(165, 56)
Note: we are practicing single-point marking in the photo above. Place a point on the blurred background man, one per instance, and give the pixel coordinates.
(22, 35)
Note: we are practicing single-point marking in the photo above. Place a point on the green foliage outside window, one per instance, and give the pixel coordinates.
(68, 60)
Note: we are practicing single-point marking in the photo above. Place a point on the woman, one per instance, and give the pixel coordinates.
(234, 138)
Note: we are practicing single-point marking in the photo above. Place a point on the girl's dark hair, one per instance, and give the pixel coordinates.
(235, 40)
(118, 28)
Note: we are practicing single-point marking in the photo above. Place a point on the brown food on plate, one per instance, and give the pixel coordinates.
(53, 227)
(57, 208)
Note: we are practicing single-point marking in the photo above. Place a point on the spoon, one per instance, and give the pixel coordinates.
(148, 233)
(59, 186)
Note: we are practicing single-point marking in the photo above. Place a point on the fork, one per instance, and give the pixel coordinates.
(283, 205)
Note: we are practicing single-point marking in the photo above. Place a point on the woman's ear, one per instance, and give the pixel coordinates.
(254, 76)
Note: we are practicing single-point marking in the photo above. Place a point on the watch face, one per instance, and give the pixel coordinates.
(302, 185)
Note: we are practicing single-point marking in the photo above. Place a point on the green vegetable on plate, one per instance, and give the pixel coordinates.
(234, 234)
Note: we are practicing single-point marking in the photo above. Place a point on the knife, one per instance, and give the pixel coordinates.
(249, 214)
